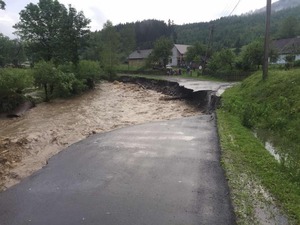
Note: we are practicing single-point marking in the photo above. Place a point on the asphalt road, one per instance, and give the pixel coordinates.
(201, 85)
(164, 173)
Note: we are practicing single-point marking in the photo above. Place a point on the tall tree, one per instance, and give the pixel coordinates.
(74, 34)
(252, 55)
(222, 61)
(128, 40)
(11, 51)
(196, 53)
(45, 27)
(162, 51)
(109, 56)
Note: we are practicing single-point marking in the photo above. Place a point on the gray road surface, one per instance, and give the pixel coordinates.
(200, 85)
(163, 173)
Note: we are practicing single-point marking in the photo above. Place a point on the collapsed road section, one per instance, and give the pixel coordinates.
(207, 100)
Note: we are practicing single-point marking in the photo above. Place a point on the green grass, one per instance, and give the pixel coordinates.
(272, 106)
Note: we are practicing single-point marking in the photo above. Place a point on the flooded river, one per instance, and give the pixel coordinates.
(27, 143)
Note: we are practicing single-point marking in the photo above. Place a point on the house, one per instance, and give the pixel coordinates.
(178, 54)
(138, 57)
(285, 47)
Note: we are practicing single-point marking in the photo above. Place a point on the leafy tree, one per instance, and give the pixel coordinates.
(196, 53)
(2, 5)
(12, 84)
(11, 51)
(222, 61)
(73, 34)
(89, 72)
(162, 51)
(109, 56)
(52, 31)
(252, 55)
(289, 27)
(46, 76)
(94, 47)
(128, 40)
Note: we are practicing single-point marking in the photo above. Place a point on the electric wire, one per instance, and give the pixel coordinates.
(235, 7)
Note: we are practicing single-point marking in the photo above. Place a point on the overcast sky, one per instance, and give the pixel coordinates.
(122, 11)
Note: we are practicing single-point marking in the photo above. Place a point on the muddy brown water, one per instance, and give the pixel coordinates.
(26, 143)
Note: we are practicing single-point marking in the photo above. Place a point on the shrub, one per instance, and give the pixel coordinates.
(13, 82)
(89, 72)
(46, 76)
(66, 83)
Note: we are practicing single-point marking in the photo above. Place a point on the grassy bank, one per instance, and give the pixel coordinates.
(254, 175)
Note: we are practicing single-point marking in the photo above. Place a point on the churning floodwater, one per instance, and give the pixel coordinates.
(26, 143)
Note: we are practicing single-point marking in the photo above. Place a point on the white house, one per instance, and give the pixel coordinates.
(178, 54)
(138, 57)
(285, 47)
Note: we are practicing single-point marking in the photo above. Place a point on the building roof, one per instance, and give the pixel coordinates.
(182, 49)
(288, 45)
(140, 54)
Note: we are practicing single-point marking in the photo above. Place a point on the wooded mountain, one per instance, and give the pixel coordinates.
(236, 31)
(281, 5)
(226, 32)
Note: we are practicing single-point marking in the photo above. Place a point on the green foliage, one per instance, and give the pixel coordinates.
(249, 168)
(128, 41)
(196, 53)
(148, 31)
(252, 55)
(289, 27)
(46, 76)
(67, 85)
(162, 51)
(222, 61)
(234, 31)
(89, 72)
(109, 56)
(51, 31)
(13, 82)
(12, 51)
(272, 106)
(67, 79)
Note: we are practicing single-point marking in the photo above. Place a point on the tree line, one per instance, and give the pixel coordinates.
(237, 31)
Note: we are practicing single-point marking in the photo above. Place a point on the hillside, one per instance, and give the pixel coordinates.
(234, 31)
(281, 5)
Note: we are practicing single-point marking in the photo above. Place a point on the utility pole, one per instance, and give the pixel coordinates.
(267, 41)
(209, 47)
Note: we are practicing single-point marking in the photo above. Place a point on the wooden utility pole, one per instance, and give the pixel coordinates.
(267, 41)
(209, 47)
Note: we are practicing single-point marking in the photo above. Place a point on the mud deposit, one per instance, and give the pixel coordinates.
(26, 143)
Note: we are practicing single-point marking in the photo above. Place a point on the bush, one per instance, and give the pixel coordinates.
(89, 72)
(13, 82)
(272, 106)
(297, 63)
(67, 85)
(46, 76)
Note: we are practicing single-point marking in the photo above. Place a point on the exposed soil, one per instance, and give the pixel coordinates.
(27, 142)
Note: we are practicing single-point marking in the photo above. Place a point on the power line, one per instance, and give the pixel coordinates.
(228, 8)
(235, 7)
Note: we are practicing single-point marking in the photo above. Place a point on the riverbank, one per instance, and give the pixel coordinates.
(28, 142)
(257, 179)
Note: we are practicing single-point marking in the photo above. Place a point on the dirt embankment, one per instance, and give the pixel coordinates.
(26, 143)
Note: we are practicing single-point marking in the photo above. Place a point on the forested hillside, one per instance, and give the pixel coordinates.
(237, 31)
(281, 5)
